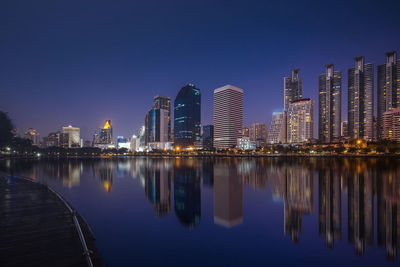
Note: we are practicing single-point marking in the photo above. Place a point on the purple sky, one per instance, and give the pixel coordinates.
(82, 62)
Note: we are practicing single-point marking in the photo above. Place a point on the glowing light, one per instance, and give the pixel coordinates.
(107, 125)
(177, 148)
(359, 141)
(107, 186)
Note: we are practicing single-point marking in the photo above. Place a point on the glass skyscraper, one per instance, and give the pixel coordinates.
(187, 117)
(293, 88)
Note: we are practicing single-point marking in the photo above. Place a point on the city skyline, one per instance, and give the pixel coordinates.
(58, 75)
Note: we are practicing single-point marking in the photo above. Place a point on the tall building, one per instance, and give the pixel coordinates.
(300, 121)
(277, 128)
(33, 135)
(156, 123)
(74, 137)
(208, 136)
(106, 134)
(258, 134)
(388, 87)
(361, 100)
(164, 102)
(228, 116)
(187, 117)
(57, 139)
(330, 92)
(391, 125)
(293, 88)
(344, 129)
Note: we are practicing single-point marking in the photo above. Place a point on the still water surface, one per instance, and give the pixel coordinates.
(231, 211)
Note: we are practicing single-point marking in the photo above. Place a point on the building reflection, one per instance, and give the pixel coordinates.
(158, 187)
(330, 206)
(228, 195)
(104, 170)
(187, 197)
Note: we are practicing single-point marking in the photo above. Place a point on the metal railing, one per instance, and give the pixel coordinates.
(86, 252)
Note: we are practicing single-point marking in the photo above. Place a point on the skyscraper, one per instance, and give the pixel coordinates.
(293, 88)
(228, 116)
(388, 87)
(187, 117)
(258, 133)
(74, 138)
(208, 136)
(105, 133)
(277, 128)
(164, 102)
(391, 125)
(300, 121)
(330, 91)
(361, 100)
(156, 124)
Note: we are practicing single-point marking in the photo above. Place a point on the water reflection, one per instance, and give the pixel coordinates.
(360, 197)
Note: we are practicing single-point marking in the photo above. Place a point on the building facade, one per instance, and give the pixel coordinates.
(277, 129)
(228, 116)
(187, 117)
(74, 137)
(361, 100)
(293, 88)
(300, 121)
(208, 136)
(157, 132)
(33, 135)
(57, 139)
(245, 132)
(329, 108)
(344, 129)
(258, 134)
(388, 88)
(164, 102)
(391, 125)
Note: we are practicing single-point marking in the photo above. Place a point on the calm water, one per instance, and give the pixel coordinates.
(233, 211)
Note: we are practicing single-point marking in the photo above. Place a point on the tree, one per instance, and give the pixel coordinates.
(6, 129)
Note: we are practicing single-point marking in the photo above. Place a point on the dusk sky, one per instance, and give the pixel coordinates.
(82, 62)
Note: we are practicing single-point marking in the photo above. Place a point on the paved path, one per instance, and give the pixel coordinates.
(37, 228)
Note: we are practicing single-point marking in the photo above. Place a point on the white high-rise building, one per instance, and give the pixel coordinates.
(228, 116)
(277, 129)
(300, 121)
(74, 136)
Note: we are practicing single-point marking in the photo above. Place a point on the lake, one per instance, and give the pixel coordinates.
(232, 211)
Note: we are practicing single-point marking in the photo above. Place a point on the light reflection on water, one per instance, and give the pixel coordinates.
(232, 211)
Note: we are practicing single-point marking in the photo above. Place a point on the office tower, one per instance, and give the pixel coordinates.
(293, 88)
(330, 92)
(277, 128)
(135, 143)
(245, 132)
(228, 116)
(156, 124)
(228, 195)
(105, 134)
(300, 121)
(33, 135)
(164, 102)
(56, 139)
(330, 206)
(344, 129)
(361, 100)
(258, 134)
(388, 87)
(187, 117)
(123, 143)
(74, 137)
(391, 125)
(208, 136)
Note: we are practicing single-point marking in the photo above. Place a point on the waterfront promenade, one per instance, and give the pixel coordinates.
(38, 228)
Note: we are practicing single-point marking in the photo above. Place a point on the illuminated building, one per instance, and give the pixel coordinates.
(164, 102)
(245, 132)
(258, 134)
(228, 196)
(208, 137)
(123, 143)
(293, 88)
(187, 117)
(391, 125)
(142, 138)
(300, 121)
(361, 100)
(228, 116)
(344, 129)
(330, 104)
(388, 88)
(56, 139)
(135, 143)
(156, 123)
(74, 138)
(244, 143)
(277, 129)
(106, 134)
(33, 135)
